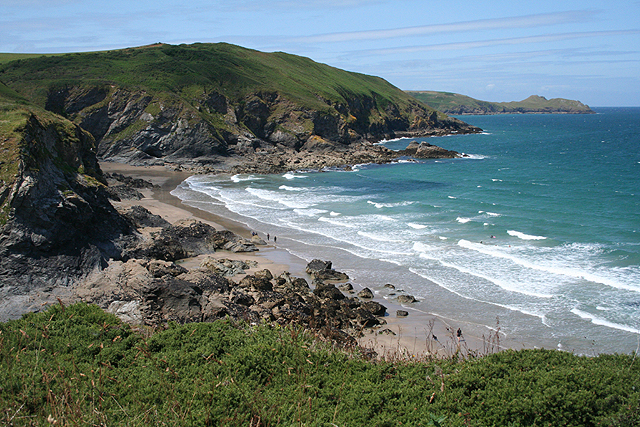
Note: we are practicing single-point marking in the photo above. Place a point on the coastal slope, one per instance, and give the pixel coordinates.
(454, 103)
(221, 104)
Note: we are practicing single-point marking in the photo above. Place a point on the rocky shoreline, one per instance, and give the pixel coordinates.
(185, 265)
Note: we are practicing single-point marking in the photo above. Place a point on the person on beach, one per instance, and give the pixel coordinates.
(459, 333)
(268, 236)
(274, 239)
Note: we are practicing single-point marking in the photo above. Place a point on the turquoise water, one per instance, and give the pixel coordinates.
(538, 228)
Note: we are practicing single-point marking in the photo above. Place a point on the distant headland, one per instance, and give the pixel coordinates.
(454, 103)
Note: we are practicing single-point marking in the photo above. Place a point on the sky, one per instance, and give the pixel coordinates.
(587, 50)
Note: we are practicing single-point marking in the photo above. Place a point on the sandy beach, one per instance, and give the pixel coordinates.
(414, 336)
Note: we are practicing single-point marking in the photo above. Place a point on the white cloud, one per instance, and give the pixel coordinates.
(526, 21)
(544, 38)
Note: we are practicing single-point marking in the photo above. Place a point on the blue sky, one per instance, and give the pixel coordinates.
(491, 50)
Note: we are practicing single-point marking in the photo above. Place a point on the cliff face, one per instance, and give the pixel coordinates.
(141, 129)
(57, 223)
(212, 104)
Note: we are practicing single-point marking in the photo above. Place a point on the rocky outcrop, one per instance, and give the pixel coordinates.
(262, 133)
(321, 271)
(424, 150)
(156, 292)
(59, 224)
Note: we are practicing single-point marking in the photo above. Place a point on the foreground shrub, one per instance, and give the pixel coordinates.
(80, 366)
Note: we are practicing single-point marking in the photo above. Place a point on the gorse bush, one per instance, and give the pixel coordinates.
(77, 365)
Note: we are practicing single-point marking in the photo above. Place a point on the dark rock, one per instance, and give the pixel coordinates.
(159, 268)
(424, 150)
(141, 217)
(171, 299)
(204, 282)
(227, 267)
(321, 271)
(239, 246)
(330, 275)
(182, 240)
(386, 331)
(328, 291)
(389, 286)
(365, 293)
(264, 275)
(346, 287)
(241, 298)
(256, 283)
(374, 307)
(119, 179)
(318, 265)
(364, 318)
(406, 299)
(402, 313)
(58, 224)
(123, 192)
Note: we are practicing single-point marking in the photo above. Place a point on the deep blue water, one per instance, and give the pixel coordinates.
(539, 226)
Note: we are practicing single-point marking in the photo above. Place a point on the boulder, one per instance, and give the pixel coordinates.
(257, 240)
(365, 293)
(346, 287)
(321, 271)
(406, 299)
(318, 265)
(239, 246)
(374, 307)
(227, 267)
(328, 291)
(264, 274)
(159, 268)
(141, 217)
(402, 313)
(256, 283)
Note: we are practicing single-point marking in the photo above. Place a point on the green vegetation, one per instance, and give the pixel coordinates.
(453, 103)
(193, 70)
(77, 365)
(8, 57)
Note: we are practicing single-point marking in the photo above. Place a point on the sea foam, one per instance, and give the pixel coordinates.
(523, 236)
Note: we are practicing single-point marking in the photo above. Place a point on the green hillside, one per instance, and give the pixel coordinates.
(190, 70)
(453, 103)
(202, 104)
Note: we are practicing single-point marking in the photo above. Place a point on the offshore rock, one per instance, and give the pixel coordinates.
(424, 150)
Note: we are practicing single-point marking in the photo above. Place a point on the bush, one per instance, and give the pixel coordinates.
(78, 365)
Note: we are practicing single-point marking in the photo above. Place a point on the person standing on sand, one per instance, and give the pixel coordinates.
(274, 239)
(268, 236)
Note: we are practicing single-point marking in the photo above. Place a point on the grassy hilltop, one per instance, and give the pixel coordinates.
(191, 70)
(454, 103)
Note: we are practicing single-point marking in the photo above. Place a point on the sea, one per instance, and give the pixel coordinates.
(535, 233)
